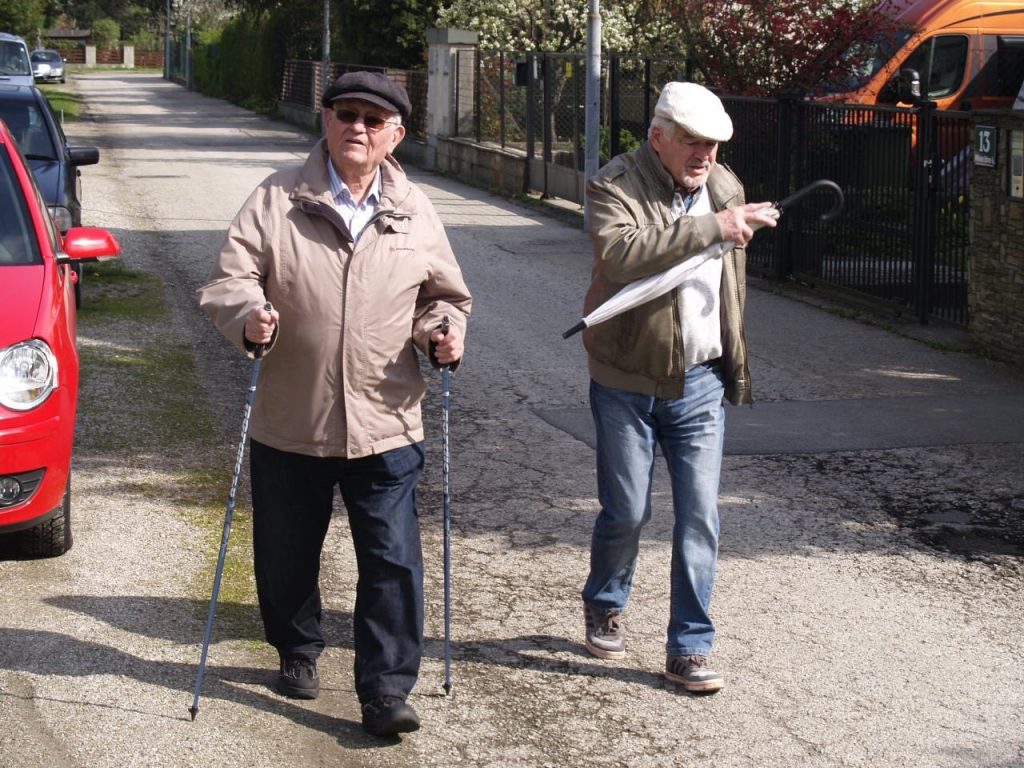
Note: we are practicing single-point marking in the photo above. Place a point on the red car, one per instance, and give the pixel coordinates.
(38, 357)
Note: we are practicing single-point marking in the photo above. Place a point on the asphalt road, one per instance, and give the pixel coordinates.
(870, 593)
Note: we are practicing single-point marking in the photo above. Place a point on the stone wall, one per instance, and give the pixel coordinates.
(996, 278)
(492, 168)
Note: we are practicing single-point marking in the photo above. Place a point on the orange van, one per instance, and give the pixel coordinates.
(961, 54)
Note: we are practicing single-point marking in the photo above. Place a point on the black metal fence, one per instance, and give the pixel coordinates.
(902, 239)
(903, 236)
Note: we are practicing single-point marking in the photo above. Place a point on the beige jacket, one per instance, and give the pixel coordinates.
(341, 376)
(629, 212)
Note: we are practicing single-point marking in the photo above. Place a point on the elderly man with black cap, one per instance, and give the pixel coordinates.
(340, 271)
(659, 372)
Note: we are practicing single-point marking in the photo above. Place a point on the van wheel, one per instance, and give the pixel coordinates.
(51, 538)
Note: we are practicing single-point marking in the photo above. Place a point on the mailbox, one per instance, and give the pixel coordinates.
(1017, 164)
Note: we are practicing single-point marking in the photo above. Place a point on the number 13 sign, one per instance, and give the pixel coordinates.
(985, 138)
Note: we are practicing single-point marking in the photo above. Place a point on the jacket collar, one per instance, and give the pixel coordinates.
(314, 185)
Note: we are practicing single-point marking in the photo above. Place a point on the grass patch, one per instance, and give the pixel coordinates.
(112, 291)
(236, 604)
(142, 403)
(65, 103)
(162, 407)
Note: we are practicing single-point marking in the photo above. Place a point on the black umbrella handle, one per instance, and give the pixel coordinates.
(800, 194)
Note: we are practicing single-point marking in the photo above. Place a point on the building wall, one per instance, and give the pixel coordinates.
(996, 277)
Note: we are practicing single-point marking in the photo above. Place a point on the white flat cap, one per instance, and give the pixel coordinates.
(696, 109)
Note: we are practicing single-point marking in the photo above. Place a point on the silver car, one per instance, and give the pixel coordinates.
(15, 68)
(47, 66)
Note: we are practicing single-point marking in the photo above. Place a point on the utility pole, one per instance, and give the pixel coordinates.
(167, 41)
(187, 56)
(325, 62)
(592, 107)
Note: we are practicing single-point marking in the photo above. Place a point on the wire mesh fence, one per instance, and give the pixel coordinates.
(303, 83)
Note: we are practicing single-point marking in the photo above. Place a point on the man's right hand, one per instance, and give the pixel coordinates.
(741, 221)
(260, 324)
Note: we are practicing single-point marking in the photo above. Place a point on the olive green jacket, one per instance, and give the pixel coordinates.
(629, 214)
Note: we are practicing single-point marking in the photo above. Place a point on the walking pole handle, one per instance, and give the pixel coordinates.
(261, 348)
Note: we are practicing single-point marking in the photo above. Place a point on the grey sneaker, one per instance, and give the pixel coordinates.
(694, 673)
(606, 638)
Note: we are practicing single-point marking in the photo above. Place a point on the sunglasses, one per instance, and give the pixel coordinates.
(372, 122)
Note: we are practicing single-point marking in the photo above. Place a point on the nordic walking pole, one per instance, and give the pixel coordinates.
(445, 407)
(250, 396)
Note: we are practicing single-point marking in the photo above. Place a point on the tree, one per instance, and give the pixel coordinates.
(627, 26)
(389, 32)
(762, 47)
(21, 17)
(106, 33)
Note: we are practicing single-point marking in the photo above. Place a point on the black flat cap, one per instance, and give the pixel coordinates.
(373, 87)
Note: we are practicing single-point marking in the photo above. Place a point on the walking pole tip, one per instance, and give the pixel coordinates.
(193, 711)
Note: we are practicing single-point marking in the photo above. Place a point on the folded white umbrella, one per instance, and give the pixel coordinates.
(646, 288)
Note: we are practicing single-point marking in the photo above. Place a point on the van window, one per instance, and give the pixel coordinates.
(14, 58)
(941, 62)
(862, 60)
(1010, 64)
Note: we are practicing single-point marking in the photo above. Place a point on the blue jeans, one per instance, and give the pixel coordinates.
(292, 498)
(690, 431)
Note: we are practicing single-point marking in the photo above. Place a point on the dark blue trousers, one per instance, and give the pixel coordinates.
(292, 498)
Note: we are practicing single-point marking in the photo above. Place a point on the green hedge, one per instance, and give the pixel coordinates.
(243, 62)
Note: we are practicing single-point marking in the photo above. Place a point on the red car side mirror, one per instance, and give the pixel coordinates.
(88, 244)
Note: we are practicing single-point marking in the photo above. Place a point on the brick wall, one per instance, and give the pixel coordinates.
(996, 278)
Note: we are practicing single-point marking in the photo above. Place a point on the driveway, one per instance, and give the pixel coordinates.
(871, 583)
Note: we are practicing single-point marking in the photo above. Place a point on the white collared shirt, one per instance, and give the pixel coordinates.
(355, 215)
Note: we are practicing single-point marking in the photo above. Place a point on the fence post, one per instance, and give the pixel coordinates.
(578, 125)
(501, 98)
(614, 103)
(648, 90)
(446, 76)
(548, 139)
(531, 118)
(782, 257)
(477, 127)
(924, 211)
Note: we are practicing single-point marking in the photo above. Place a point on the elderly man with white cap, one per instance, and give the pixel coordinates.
(660, 371)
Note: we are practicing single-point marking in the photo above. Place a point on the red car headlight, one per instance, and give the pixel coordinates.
(28, 374)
